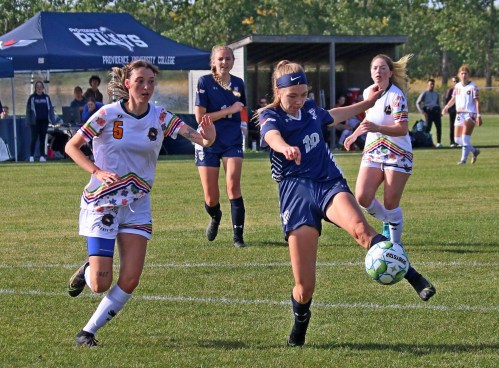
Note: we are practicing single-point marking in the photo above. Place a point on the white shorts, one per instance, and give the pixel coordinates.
(134, 218)
(383, 167)
(462, 116)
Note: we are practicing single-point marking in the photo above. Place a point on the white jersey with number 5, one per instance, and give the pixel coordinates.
(127, 145)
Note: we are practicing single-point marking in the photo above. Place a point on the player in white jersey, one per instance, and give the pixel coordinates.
(466, 99)
(387, 156)
(127, 136)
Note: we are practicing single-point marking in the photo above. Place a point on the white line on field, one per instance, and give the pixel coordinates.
(271, 302)
(255, 264)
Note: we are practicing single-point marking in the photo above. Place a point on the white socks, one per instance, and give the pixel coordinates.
(112, 303)
(393, 217)
(87, 277)
(396, 222)
(467, 147)
(377, 210)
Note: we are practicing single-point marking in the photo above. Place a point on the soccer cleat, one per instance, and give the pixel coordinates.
(212, 229)
(386, 230)
(461, 163)
(43, 159)
(84, 338)
(424, 288)
(298, 332)
(77, 281)
(239, 243)
(31, 159)
(439, 145)
(475, 155)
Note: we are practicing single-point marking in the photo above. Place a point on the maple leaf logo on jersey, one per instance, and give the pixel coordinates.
(153, 134)
(162, 116)
(13, 43)
(100, 121)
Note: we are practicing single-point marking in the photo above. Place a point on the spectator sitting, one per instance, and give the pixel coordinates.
(93, 91)
(5, 112)
(90, 108)
(79, 101)
(349, 127)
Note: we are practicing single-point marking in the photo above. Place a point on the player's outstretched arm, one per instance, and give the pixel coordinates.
(277, 143)
(206, 135)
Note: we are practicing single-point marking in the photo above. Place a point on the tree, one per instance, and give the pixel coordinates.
(469, 28)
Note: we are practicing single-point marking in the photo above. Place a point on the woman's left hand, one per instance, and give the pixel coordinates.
(479, 121)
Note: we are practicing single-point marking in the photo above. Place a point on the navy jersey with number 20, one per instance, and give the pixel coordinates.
(305, 132)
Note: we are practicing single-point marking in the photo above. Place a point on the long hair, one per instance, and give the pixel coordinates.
(282, 68)
(398, 69)
(217, 79)
(116, 89)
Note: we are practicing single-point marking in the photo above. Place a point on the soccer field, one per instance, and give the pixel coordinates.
(208, 304)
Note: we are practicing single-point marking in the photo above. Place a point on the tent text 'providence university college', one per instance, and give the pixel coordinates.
(83, 41)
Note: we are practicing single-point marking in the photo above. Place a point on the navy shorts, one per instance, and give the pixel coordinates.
(304, 201)
(211, 158)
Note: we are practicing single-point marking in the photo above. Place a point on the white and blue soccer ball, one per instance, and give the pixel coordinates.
(386, 263)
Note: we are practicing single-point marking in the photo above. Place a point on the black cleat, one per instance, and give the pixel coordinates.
(212, 229)
(239, 243)
(298, 332)
(77, 281)
(85, 338)
(424, 288)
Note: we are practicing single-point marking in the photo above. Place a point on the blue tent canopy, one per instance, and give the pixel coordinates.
(6, 68)
(84, 41)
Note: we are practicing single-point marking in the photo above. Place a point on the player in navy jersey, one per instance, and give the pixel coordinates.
(221, 96)
(115, 205)
(311, 185)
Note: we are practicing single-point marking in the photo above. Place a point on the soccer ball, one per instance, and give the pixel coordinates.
(386, 263)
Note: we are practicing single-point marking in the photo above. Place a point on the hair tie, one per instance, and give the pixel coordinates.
(291, 79)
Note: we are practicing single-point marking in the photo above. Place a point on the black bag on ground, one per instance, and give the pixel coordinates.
(418, 137)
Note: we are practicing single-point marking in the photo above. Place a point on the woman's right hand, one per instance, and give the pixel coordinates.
(107, 177)
(236, 107)
(349, 141)
(292, 153)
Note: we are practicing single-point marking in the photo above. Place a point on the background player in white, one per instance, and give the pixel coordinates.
(127, 136)
(466, 99)
(311, 185)
(222, 96)
(387, 156)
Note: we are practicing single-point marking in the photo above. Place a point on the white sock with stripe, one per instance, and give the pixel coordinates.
(110, 305)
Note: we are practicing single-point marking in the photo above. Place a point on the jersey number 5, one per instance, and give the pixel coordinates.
(118, 129)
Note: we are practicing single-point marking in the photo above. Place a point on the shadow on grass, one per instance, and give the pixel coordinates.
(255, 243)
(418, 350)
(223, 344)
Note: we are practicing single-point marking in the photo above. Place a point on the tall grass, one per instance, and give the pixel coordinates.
(207, 304)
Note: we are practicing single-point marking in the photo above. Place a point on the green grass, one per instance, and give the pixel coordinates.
(207, 304)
